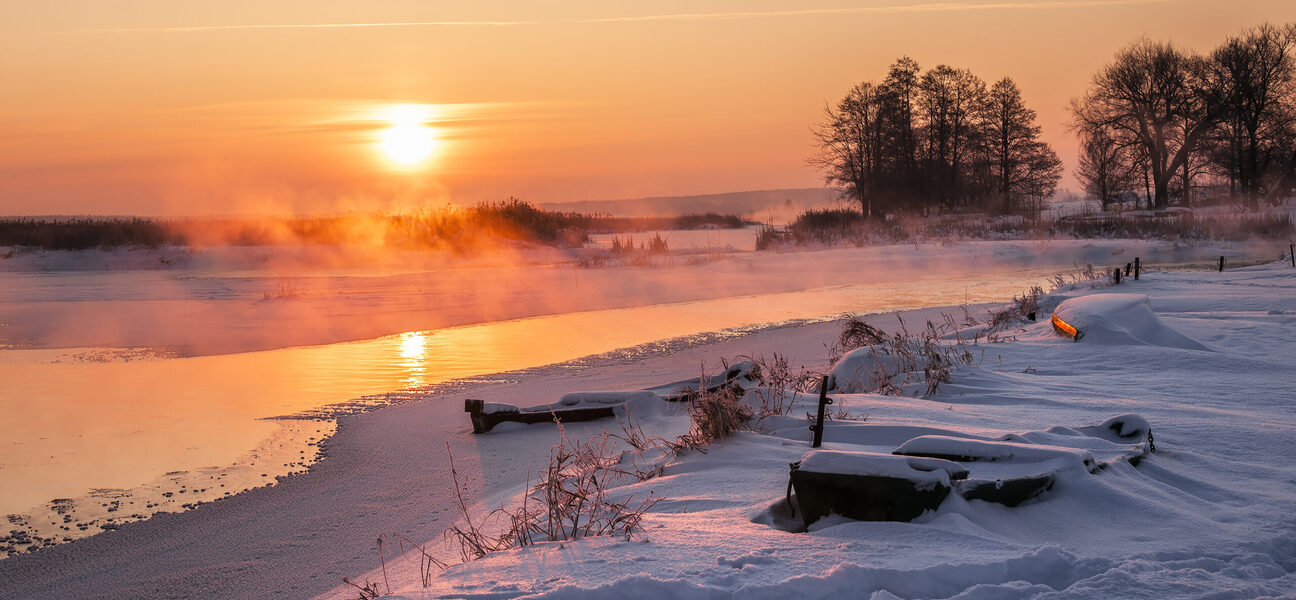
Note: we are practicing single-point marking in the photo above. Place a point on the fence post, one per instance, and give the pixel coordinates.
(1137, 268)
(1291, 253)
(1116, 276)
(824, 401)
(1221, 264)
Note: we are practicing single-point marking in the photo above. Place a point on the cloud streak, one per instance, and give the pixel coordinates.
(934, 7)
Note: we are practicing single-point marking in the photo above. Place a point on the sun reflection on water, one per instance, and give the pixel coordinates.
(413, 348)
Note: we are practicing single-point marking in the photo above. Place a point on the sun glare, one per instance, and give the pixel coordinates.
(408, 142)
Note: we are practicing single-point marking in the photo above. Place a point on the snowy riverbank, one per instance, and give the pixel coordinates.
(1209, 513)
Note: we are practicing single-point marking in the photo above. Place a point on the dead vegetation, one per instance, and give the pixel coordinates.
(779, 385)
(286, 288)
(576, 496)
(1083, 275)
(855, 334)
(927, 357)
(715, 415)
(571, 501)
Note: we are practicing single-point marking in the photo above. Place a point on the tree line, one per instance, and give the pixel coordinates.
(1159, 124)
(1164, 121)
(935, 141)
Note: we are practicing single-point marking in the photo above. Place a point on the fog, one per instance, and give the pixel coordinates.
(188, 302)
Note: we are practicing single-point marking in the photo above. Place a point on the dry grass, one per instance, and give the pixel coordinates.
(368, 591)
(715, 415)
(855, 334)
(903, 358)
(780, 385)
(285, 288)
(572, 500)
(1012, 316)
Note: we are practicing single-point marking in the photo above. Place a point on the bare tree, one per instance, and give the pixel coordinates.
(1106, 169)
(1159, 97)
(1256, 75)
(936, 139)
(850, 144)
(953, 102)
(899, 99)
(1024, 166)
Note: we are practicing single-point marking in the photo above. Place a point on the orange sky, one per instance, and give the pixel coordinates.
(157, 107)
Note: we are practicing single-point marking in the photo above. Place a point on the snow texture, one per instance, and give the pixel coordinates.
(915, 469)
(1209, 515)
(1111, 318)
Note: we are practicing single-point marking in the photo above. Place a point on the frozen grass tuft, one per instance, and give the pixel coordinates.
(779, 383)
(715, 415)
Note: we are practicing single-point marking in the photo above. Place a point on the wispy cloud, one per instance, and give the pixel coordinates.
(200, 28)
(898, 8)
(902, 8)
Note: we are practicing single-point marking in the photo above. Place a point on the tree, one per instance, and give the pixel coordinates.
(1256, 75)
(1023, 166)
(918, 141)
(953, 101)
(849, 141)
(1105, 169)
(1160, 98)
(899, 97)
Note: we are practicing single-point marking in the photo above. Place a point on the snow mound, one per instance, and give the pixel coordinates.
(582, 399)
(960, 449)
(866, 369)
(1123, 428)
(1121, 319)
(912, 468)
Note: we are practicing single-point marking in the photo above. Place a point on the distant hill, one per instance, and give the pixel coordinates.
(759, 205)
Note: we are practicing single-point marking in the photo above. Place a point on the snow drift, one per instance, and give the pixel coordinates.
(1121, 319)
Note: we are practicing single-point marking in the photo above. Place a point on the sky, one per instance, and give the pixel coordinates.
(157, 107)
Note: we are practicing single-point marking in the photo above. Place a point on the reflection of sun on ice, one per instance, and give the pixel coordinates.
(408, 142)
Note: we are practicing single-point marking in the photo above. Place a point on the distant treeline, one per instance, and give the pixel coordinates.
(1160, 125)
(450, 228)
(836, 226)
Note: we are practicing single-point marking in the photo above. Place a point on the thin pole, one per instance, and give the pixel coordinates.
(824, 401)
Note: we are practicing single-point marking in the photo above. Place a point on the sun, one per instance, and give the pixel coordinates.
(408, 142)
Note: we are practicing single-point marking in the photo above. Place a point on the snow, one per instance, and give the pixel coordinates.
(915, 469)
(864, 368)
(640, 400)
(978, 450)
(1113, 318)
(1209, 514)
(1126, 426)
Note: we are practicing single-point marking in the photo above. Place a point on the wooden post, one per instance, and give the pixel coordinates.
(1291, 253)
(1116, 276)
(824, 401)
(1128, 266)
(1221, 264)
(1137, 268)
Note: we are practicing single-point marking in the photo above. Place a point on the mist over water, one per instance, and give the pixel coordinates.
(125, 383)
